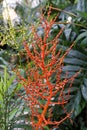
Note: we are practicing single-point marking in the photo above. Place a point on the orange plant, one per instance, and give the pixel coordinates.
(47, 63)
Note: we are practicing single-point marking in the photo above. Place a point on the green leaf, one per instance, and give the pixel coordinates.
(46, 128)
(67, 33)
(85, 128)
(82, 35)
(22, 117)
(77, 54)
(73, 53)
(72, 89)
(3, 61)
(79, 104)
(84, 89)
(75, 61)
(83, 14)
(1, 89)
(21, 125)
(5, 79)
(10, 81)
(84, 42)
(68, 68)
(12, 114)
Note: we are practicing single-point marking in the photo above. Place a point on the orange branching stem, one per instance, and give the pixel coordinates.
(47, 63)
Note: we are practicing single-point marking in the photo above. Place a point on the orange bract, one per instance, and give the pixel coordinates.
(47, 64)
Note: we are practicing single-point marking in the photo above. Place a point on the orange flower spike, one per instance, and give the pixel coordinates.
(40, 90)
(43, 52)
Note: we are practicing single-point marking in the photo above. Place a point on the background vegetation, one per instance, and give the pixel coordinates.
(14, 112)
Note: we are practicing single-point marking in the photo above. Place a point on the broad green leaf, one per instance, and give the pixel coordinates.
(22, 117)
(84, 128)
(83, 14)
(77, 54)
(73, 53)
(67, 33)
(3, 61)
(75, 61)
(68, 68)
(84, 89)
(84, 42)
(82, 35)
(79, 104)
(12, 113)
(18, 86)
(46, 128)
(10, 81)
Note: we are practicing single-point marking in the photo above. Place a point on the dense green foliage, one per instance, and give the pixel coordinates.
(12, 54)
